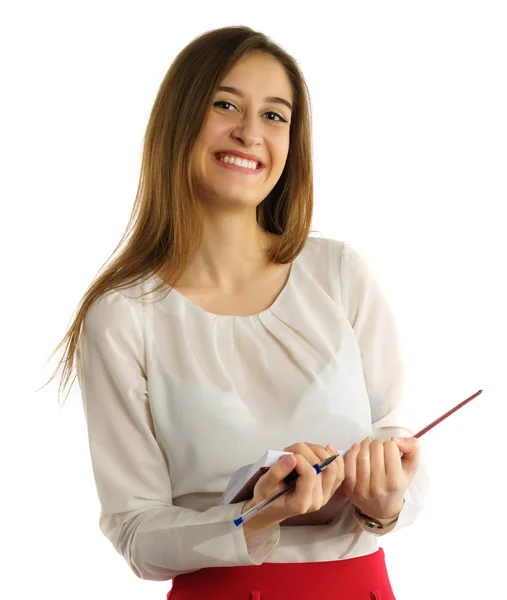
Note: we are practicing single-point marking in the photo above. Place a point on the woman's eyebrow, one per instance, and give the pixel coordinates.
(233, 90)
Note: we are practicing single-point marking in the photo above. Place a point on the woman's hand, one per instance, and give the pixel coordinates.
(329, 480)
(376, 477)
(312, 491)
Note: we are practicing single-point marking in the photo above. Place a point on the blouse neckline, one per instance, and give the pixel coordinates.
(258, 315)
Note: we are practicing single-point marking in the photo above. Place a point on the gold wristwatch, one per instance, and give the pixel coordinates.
(374, 523)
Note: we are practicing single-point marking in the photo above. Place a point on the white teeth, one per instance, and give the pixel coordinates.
(240, 162)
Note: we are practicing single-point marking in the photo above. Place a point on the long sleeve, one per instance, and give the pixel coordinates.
(375, 328)
(157, 539)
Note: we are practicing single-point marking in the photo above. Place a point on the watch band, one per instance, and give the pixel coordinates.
(373, 523)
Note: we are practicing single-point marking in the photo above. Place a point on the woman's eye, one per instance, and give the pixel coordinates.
(280, 118)
(223, 102)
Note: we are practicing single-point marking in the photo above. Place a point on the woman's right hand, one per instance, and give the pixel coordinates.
(311, 493)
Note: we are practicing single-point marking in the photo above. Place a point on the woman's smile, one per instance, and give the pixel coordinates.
(233, 167)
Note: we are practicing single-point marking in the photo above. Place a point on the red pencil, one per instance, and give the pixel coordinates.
(447, 414)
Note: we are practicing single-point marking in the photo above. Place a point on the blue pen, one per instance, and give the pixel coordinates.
(291, 480)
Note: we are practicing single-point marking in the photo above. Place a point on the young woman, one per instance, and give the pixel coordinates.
(267, 339)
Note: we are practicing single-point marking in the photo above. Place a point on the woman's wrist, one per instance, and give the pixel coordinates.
(257, 524)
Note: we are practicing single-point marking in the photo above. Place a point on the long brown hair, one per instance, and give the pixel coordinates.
(165, 226)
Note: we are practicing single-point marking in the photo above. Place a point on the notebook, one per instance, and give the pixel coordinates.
(242, 483)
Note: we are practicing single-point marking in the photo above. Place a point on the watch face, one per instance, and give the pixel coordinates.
(373, 523)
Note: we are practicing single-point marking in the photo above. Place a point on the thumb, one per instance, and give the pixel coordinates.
(282, 468)
(410, 448)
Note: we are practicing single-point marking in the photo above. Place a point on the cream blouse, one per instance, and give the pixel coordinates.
(177, 398)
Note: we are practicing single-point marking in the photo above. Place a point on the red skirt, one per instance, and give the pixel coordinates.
(361, 578)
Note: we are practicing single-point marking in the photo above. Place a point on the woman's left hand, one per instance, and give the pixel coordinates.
(377, 477)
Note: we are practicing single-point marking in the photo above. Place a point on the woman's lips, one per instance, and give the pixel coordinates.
(234, 167)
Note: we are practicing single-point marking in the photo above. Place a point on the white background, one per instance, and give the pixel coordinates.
(409, 103)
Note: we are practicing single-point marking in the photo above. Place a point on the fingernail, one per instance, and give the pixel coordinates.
(333, 449)
(288, 460)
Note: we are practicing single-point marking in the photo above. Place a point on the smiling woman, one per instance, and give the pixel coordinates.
(267, 336)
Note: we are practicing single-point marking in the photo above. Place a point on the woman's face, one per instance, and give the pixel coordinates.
(255, 120)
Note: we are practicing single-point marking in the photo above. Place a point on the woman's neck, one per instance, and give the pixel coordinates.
(231, 252)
